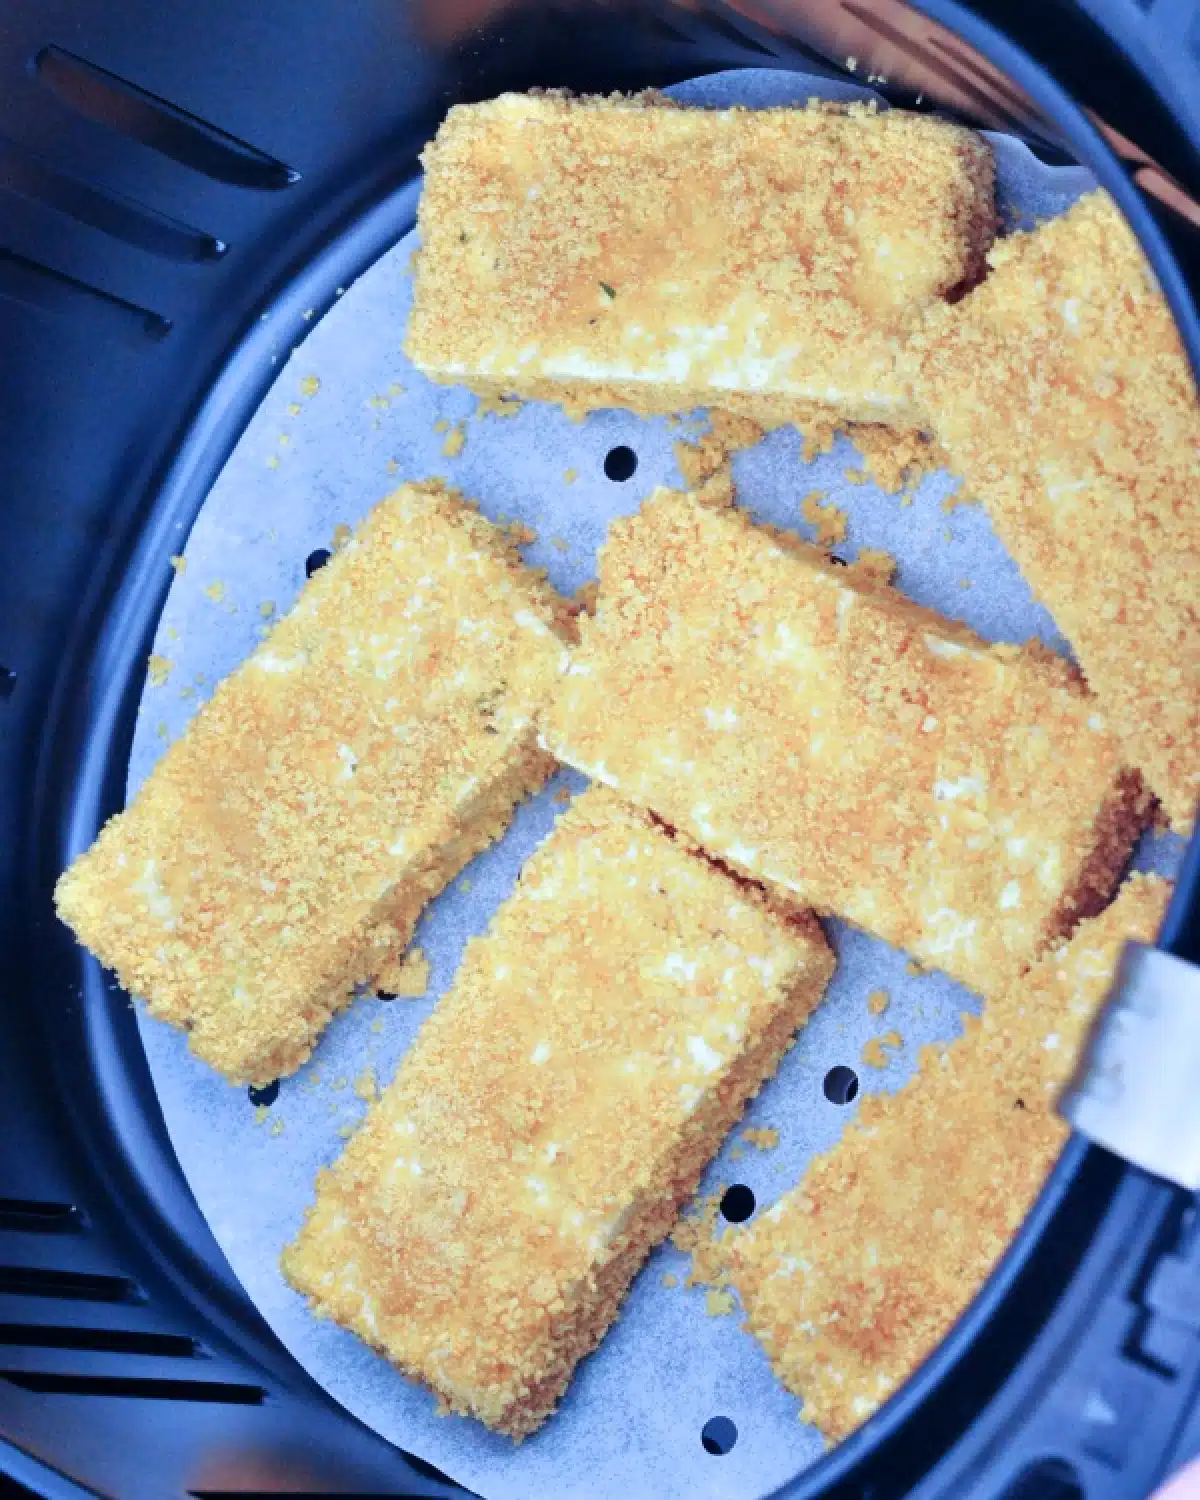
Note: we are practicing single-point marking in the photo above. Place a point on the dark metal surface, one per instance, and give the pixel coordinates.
(168, 174)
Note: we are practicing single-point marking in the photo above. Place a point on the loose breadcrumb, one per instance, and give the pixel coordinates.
(718, 1302)
(216, 591)
(878, 1002)
(827, 736)
(1062, 393)
(850, 1280)
(290, 839)
(763, 1138)
(406, 977)
(570, 476)
(830, 522)
(873, 565)
(670, 1279)
(583, 250)
(556, 1109)
(309, 385)
(455, 441)
(180, 565)
(875, 1053)
(158, 669)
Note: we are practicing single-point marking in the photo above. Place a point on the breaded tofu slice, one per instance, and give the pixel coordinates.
(1062, 394)
(555, 1111)
(379, 737)
(852, 1279)
(631, 252)
(817, 731)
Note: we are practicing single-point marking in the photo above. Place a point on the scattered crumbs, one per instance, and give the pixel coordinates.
(670, 1279)
(708, 458)
(456, 441)
(874, 565)
(285, 440)
(520, 533)
(187, 692)
(266, 608)
(312, 1080)
(894, 458)
(365, 1085)
(442, 424)
(172, 633)
(341, 535)
(408, 978)
(878, 1001)
(158, 669)
(377, 1025)
(563, 796)
(497, 406)
(874, 1053)
(559, 543)
(261, 1111)
(694, 1236)
(913, 968)
(294, 408)
(958, 497)
(586, 595)
(179, 564)
(392, 466)
(273, 461)
(379, 403)
(346, 1131)
(309, 314)
(964, 583)
(735, 1153)
(216, 591)
(464, 885)
(161, 730)
(906, 499)
(764, 1138)
(829, 521)
(276, 1127)
(718, 1302)
(309, 385)
(947, 535)
(339, 1083)
(395, 389)
(570, 476)
(855, 476)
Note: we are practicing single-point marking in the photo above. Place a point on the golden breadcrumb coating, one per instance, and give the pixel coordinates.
(817, 731)
(555, 1111)
(1062, 394)
(376, 740)
(627, 251)
(850, 1280)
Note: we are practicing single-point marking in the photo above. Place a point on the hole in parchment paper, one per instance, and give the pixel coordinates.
(316, 560)
(620, 464)
(737, 1204)
(718, 1434)
(841, 1085)
(265, 1095)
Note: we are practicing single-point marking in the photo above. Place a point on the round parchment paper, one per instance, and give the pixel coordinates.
(346, 420)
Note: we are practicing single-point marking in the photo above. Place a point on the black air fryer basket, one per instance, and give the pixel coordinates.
(169, 173)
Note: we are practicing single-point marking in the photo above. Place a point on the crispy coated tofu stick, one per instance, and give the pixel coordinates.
(630, 252)
(380, 736)
(823, 734)
(1062, 394)
(555, 1112)
(850, 1280)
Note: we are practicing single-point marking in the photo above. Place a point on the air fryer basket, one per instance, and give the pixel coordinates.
(170, 174)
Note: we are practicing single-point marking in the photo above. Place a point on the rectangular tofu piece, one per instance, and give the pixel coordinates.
(632, 252)
(555, 1111)
(1062, 394)
(283, 849)
(819, 732)
(852, 1279)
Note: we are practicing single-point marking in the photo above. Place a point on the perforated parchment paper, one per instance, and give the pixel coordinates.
(347, 419)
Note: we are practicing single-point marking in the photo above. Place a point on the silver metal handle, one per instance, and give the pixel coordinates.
(1136, 1090)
